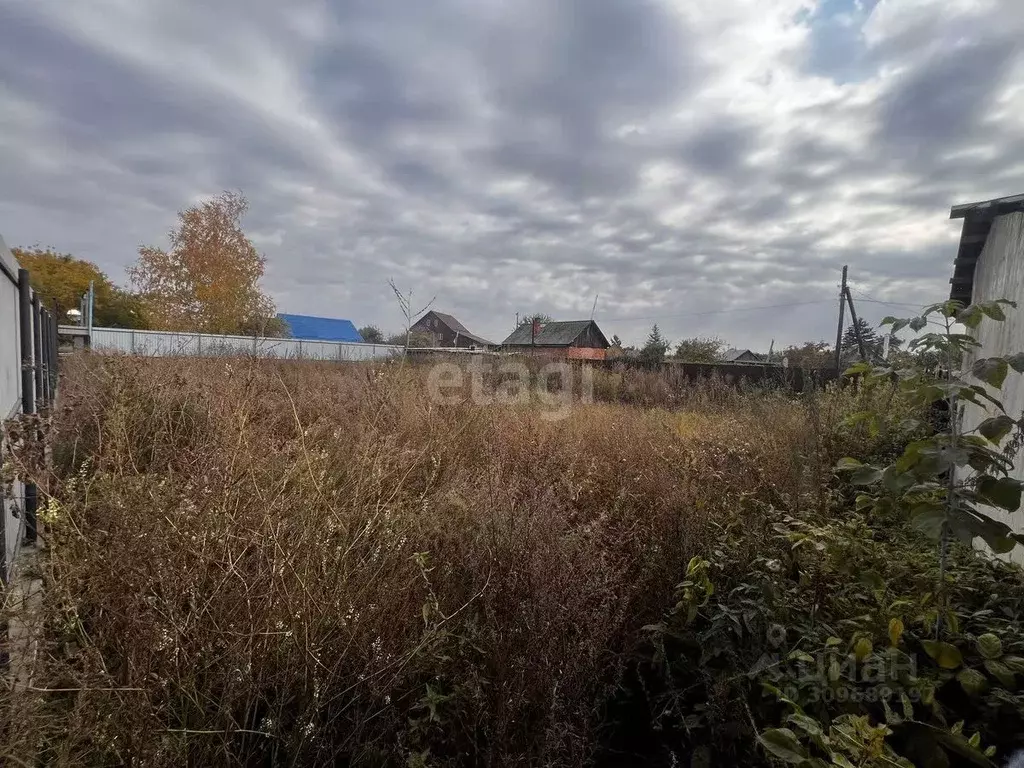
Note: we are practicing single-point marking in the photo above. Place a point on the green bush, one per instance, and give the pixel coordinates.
(798, 626)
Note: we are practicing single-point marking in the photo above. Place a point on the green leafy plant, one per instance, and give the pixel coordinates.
(944, 481)
(815, 645)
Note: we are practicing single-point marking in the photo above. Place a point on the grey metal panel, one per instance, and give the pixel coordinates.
(1000, 275)
(352, 352)
(8, 264)
(317, 350)
(10, 347)
(224, 346)
(10, 392)
(271, 347)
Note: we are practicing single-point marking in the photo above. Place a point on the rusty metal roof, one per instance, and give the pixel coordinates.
(457, 327)
(556, 333)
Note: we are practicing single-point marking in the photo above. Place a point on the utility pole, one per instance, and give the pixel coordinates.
(842, 310)
(92, 304)
(856, 327)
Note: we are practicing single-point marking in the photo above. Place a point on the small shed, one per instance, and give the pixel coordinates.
(574, 339)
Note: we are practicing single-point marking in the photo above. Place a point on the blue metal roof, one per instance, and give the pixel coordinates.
(321, 328)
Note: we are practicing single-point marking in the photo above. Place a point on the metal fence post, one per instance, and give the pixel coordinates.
(37, 350)
(44, 335)
(54, 355)
(55, 349)
(51, 362)
(44, 357)
(28, 400)
(92, 303)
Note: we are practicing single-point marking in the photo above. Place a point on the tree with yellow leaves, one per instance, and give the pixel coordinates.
(208, 280)
(62, 279)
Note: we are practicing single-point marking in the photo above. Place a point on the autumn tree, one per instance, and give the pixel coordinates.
(699, 350)
(62, 278)
(121, 309)
(208, 280)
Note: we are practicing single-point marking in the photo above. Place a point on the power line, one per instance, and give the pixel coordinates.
(715, 311)
(866, 298)
(873, 300)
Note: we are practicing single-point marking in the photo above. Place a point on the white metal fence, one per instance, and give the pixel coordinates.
(167, 343)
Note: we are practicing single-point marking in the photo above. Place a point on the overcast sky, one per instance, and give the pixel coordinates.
(676, 157)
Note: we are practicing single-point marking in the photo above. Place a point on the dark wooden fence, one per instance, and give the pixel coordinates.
(736, 374)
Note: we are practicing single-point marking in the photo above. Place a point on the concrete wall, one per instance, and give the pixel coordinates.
(999, 274)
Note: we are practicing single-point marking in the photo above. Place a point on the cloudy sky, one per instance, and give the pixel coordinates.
(706, 164)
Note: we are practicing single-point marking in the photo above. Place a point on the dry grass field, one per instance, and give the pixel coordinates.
(282, 563)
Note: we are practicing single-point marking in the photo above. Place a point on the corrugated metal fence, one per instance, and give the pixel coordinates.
(28, 383)
(166, 343)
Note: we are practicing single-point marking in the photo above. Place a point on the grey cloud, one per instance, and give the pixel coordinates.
(97, 99)
(945, 99)
(599, 64)
(767, 207)
(719, 148)
(103, 103)
(449, 104)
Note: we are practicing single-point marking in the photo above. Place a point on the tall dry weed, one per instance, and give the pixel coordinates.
(256, 562)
